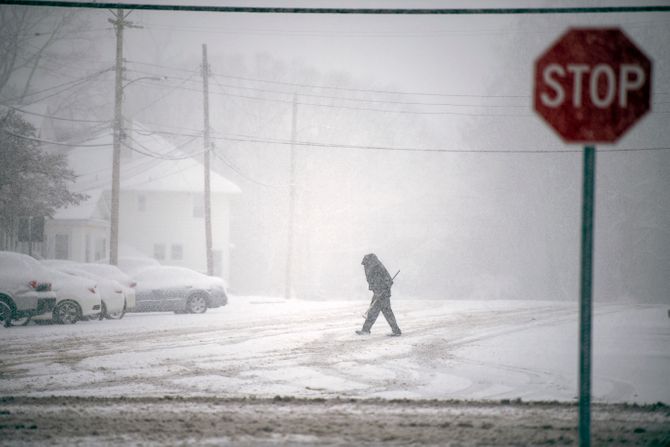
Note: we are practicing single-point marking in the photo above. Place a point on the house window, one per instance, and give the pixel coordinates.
(198, 205)
(177, 252)
(141, 203)
(62, 246)
(159, 251)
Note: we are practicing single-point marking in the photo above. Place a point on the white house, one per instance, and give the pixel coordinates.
(161, 205)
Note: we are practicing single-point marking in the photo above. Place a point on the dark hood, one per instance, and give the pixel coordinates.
(370, 259)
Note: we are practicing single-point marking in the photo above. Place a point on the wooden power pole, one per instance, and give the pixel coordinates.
(119, 24)
(288, 284)
(207, 144)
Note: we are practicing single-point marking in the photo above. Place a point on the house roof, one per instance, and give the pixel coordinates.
(85, 210)
(152, 164)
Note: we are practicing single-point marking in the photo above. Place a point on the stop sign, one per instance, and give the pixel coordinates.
(592, 85)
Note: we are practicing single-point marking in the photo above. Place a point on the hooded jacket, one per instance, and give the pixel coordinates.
(379, 280)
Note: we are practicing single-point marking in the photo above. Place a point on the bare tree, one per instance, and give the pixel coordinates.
(27, 34)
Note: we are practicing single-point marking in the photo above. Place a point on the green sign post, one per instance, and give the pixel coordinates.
(585, 295)
(591, 85)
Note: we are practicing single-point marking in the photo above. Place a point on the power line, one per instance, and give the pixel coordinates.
(368, 90)
(392, 34)
(372, 109)
(58, 118)
(58, 60)
(57, 143)
(241, 138)
(153, 179)
(245, 176)
(366, 109)
(149, 133)
(152, 154)
(330, 87)
(165, 95)
(65, 86)
(365, 100)
(187, 129)
(250, 139)
(131, 171)
(344, 98)
(344, 146)
(365, 11)
(148, 64)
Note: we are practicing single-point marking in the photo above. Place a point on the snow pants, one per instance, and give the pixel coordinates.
(381, 303)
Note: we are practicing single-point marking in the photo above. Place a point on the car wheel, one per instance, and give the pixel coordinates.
(197, 304)
(67, 312)
(6, 314)
(23, 321)
(115, 315)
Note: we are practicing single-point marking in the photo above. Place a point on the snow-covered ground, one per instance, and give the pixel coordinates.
(265, 347)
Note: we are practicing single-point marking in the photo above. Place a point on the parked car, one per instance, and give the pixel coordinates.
(114, 273)
(113, 301)
(178, 289)
(77, 298)
(25, 288)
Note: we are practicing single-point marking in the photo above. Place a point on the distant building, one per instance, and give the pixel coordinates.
(161, 205)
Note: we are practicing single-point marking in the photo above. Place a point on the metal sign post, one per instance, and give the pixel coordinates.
(592, 85)
(585, 288)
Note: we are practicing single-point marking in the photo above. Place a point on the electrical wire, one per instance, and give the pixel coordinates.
(365, 109)
(66, 86)
(152, 154)
(57, 143)
(315, 144)
(394, 33)
(418, 149)
(329, 87)
(368, 109)
(367, 100)
(168, 93)
(246, 177)
(58, 118)
(345, 11)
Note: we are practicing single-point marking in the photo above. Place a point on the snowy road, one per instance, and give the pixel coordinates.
(266, 347)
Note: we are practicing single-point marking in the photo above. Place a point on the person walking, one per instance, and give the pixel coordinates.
(380, 282)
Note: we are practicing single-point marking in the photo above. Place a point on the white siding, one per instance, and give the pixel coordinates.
(77, 232)
(168, 220)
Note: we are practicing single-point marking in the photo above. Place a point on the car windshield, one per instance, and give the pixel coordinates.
(169, 274)
(106, 271)
(14, 262)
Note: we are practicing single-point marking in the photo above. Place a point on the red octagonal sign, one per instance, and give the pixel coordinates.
(592, 85)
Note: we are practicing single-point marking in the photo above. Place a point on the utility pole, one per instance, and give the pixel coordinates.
(119, 24)
(208, 214)
(291, 204)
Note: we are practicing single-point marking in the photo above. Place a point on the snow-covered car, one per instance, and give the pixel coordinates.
(178, 289)
(25, 288)
(77, 298)
(112, 296)
(113, 273)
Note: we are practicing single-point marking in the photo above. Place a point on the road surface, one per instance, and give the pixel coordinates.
(265, 371)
